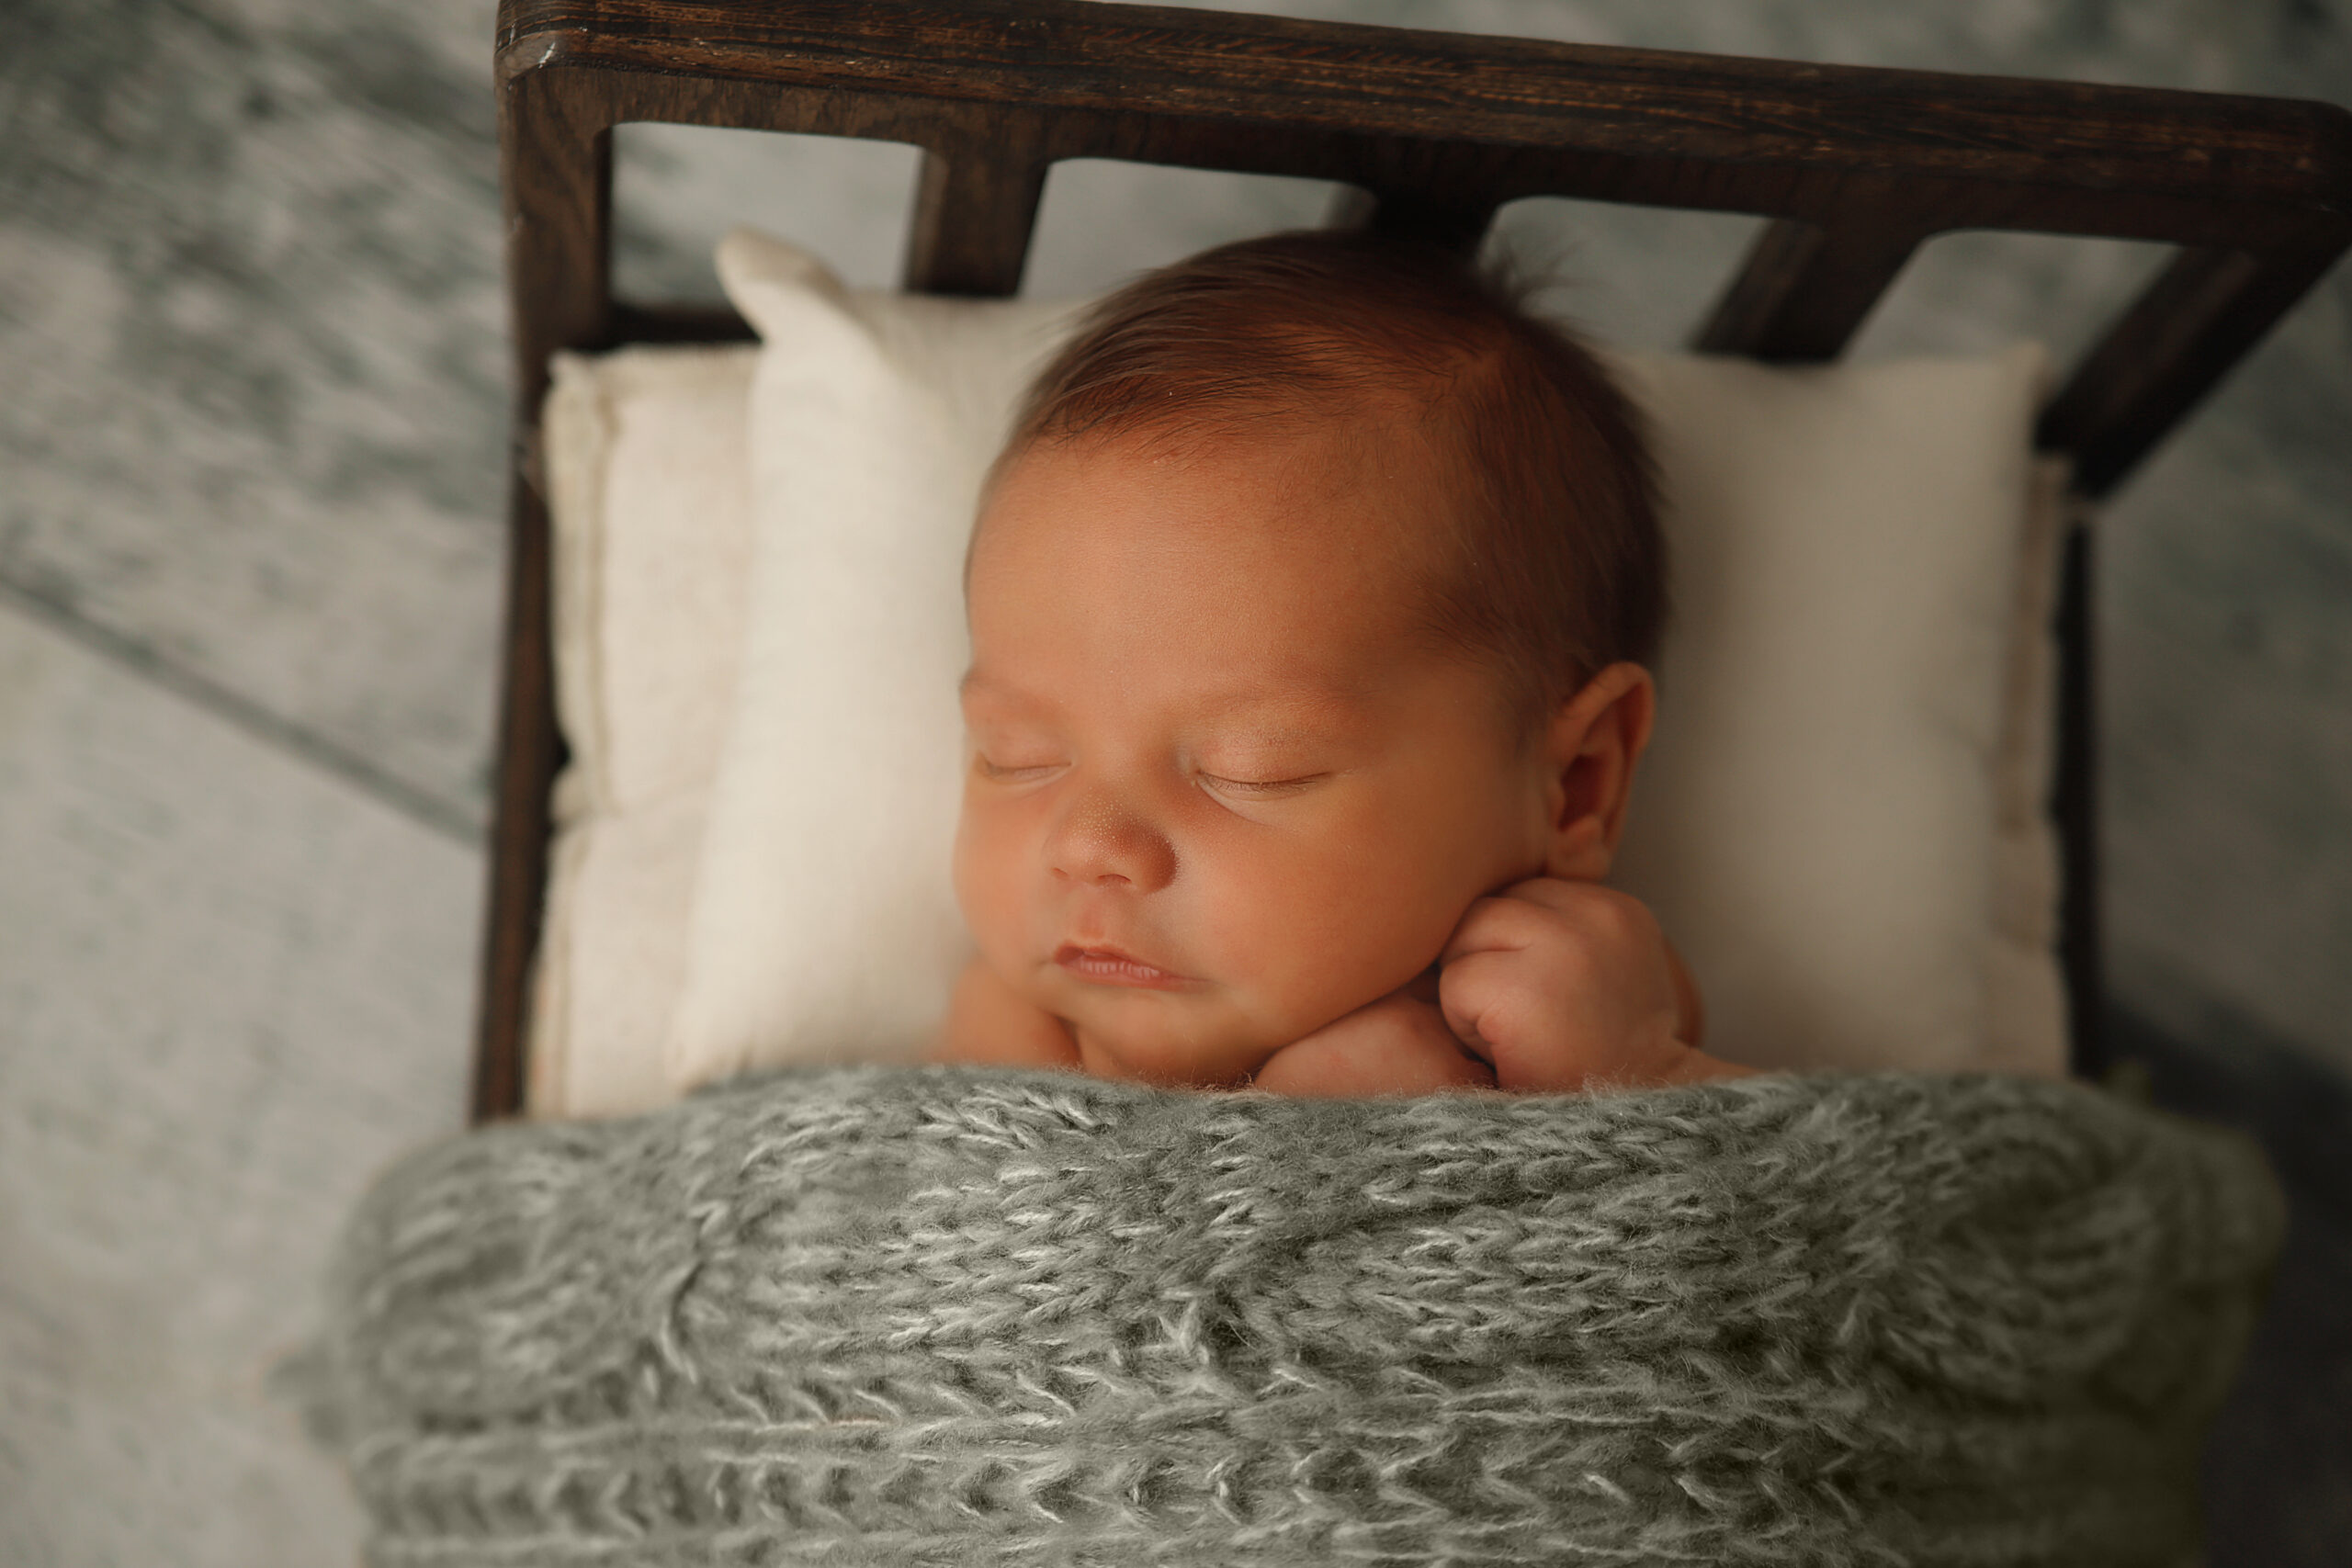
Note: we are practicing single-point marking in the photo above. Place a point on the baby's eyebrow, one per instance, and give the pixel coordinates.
(1000, 697)
(1305, 712)
(1313, 703)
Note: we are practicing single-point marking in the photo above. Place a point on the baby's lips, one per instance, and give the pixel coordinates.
(1109, 964)
(1071, 950)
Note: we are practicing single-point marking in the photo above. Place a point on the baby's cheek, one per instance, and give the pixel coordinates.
(985, 891)
(962, 870)
(1318, 949)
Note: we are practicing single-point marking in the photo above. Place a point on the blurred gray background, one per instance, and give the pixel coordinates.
(252, 424)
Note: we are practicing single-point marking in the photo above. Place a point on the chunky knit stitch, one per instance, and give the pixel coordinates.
(973, 1316)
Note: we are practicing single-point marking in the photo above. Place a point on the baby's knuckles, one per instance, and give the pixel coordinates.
(1518, 1018)
(1595, 932)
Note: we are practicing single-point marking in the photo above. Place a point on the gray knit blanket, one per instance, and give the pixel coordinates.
(977, 1316)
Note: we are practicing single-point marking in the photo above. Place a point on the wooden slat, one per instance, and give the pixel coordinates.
(2073, 808)
(976, 208)
(557, 164)
(1457, 220)
(1804, 290)
(2184, 333)
(530, 755)
(556, 171)
(629, 323)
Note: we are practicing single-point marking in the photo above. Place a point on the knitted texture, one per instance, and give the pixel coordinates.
(976, 1317)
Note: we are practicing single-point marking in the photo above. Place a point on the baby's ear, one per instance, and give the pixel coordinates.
(1591, 745)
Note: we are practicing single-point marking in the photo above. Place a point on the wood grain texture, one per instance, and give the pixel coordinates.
(556, 174)
(976, 206)
(1142, 60)
(1859, 165)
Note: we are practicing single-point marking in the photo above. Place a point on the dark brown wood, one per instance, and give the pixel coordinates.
(975, 209)
(2198, 319)
(1458, 226)
(530, 752)
(1870, 162)
(555, 152)
(678, 323)
(1855, 167)
(556, 168)
(1301, 77)
(1804, 290)
(2073, 805)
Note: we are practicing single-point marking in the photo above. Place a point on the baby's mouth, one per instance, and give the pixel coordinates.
(1110, 966)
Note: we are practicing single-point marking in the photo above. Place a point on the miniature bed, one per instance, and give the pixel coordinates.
(852, 1311)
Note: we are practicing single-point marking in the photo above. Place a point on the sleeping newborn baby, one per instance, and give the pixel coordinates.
(1310, 606)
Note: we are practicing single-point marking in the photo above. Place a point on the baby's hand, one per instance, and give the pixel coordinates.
(1566, 986)
(1399, 1045)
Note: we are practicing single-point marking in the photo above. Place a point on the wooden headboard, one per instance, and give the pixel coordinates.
(1432, 132)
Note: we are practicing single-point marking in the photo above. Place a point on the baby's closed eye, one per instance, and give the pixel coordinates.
(1261, 766)
(1023, 772)
(1014, 753)
(1262, 788)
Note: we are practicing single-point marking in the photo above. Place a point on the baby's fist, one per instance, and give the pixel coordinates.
(1565, 985)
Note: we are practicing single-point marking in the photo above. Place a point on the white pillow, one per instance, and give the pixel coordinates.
(1819, 822)
(910, 393)
(649, 500)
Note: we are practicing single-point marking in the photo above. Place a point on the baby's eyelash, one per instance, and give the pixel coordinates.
(1263, 787)
(1015, 774)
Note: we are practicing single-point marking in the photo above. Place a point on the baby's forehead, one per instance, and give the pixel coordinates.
(1377, 412)
(1351, 502)
(1360, 465)
(1220, 573)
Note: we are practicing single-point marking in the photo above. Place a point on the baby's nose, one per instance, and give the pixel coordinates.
(1103, 842)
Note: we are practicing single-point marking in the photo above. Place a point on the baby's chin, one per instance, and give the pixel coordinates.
(1145, 1040)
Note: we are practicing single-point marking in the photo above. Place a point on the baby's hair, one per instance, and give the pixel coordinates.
(1556, 567)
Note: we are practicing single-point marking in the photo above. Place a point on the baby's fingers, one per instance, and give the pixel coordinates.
(1474, 993)
(1497, 924)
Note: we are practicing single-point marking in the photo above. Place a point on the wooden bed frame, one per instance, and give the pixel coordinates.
(1432, 132)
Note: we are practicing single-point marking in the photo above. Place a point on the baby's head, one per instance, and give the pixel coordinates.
(1310, 600)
